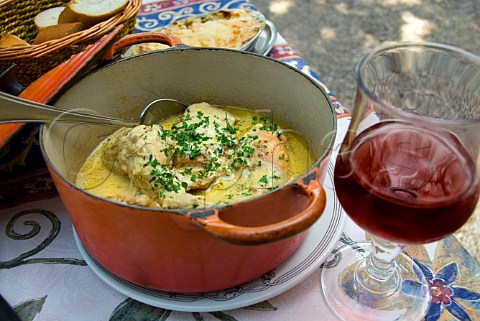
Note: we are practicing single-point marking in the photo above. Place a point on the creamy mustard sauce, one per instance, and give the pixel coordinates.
(96, 178)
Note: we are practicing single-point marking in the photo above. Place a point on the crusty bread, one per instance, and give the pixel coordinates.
(57, 32)
(47, 18)
(91, 12)
(10, 41)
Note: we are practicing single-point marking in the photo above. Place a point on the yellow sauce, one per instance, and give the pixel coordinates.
(96, 178)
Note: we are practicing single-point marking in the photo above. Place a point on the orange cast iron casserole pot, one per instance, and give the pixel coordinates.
(202, 249)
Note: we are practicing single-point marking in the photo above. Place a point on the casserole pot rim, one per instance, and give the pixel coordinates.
(291, 182)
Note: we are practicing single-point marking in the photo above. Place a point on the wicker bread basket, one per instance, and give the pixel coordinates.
(17, 18)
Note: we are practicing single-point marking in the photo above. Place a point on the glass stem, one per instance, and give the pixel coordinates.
(378, 273)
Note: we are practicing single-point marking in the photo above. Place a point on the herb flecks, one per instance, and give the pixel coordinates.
(263, 180)
(205, 142)
(269, 125)
(204, 145)
(161, 176)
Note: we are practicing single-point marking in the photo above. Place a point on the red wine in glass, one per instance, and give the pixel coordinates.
(411, 176)
(406, 184)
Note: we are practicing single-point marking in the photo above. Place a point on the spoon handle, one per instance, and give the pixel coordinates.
(14, 109)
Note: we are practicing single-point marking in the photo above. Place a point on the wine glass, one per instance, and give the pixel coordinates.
(407, 173)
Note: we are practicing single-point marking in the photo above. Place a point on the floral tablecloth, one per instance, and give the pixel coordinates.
(45, 276)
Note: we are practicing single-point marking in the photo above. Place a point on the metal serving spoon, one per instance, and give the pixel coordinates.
(18, 110)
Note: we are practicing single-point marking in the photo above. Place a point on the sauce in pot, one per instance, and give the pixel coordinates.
(207, 156)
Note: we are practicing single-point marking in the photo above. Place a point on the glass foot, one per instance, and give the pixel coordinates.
(344, 290)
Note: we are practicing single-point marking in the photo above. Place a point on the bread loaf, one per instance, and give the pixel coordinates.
(57, 32)
(10, 41)
(47, 18)
(91, 12)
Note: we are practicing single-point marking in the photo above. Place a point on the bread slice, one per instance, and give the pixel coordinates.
(47, 18)
(57, 32)
(10, 41)
(91, 12)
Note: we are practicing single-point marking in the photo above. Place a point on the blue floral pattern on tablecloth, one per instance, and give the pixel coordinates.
(453, 280)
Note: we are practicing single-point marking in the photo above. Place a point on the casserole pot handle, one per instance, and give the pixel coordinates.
(137, 38)
(211, 222)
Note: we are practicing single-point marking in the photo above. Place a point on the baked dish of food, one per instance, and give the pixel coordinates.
(233, 29)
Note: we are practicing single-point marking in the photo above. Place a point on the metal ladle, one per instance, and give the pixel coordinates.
(18, 110)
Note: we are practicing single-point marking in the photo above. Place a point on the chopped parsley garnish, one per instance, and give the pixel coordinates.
(263, 180)
(268, 125)
(166, 150)
(151, 161)
(187, 171)
(162, 176)
(216, 142)
(188, 138)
